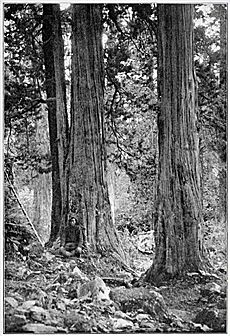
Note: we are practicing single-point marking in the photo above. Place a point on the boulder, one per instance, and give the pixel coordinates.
(146, 299)
(96, 289)
(121, 323)
(39, 314)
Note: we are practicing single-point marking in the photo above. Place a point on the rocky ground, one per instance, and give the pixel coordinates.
(46, 293)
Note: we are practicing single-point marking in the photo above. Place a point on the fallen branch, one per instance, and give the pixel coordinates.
(117, 281)
(23, 210)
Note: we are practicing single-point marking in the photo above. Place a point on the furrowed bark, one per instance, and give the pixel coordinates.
(178, 221)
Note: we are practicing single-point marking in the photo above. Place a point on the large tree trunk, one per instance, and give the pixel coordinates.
(179, 213)
(88, 185)
(58, 124)
(42, 205)
(222, 111)
(41, 184)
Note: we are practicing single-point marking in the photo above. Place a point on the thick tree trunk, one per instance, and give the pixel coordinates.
(179, 213)
(222, 112)
(42, 205)
(88, 185)
(58, 124)
(41, 184)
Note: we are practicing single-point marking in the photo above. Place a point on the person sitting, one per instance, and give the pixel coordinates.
(73, 239)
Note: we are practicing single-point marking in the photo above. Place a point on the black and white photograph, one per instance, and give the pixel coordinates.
(114, 169)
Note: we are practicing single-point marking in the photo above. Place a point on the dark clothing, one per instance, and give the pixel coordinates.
(74, 235)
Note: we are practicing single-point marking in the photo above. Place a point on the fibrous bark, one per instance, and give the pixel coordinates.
(222, 111)
(41, 183)
(53, 49)
(88, 185)
(178, 219)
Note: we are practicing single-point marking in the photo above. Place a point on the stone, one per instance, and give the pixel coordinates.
(121, 323)
(152, 326)
(39, 314)
(78, 273)
(39, 328)
(13, 302)
(141, 317)
(96, 289)
(120, 314)
(146, 299)
(28, 304)
(211, 288)
(19, 319)
(77, 322)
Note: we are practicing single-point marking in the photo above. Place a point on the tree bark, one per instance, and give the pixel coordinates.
(53, 49)
(178, 219)
(222, 112)
(88, 185)
(41, 184)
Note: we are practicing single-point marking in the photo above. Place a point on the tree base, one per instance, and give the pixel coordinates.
(159, 275)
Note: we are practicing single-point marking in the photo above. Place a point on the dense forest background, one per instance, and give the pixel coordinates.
(39, 191)
(131, 108)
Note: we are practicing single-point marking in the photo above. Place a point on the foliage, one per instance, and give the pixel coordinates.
(210, 62)
(131, 107)
(131, 104)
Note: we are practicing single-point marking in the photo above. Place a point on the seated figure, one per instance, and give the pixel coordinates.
(73, 239)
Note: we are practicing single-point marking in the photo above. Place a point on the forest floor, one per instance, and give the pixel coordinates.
(45, 293)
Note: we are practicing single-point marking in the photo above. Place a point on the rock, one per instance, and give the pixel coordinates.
(150, 325)
(201, 327)
(21, 311)
(213, 318)
(122, 324)
(141, 317)
(28, 304)
(39, 314)
(13, 302)
(14, 323)
(49, 256)
(78, 273)
(96, 289)
(147, 299)
(19, 319)
(120, 314)
(39, 328)
(78, 323)
(211, 288)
